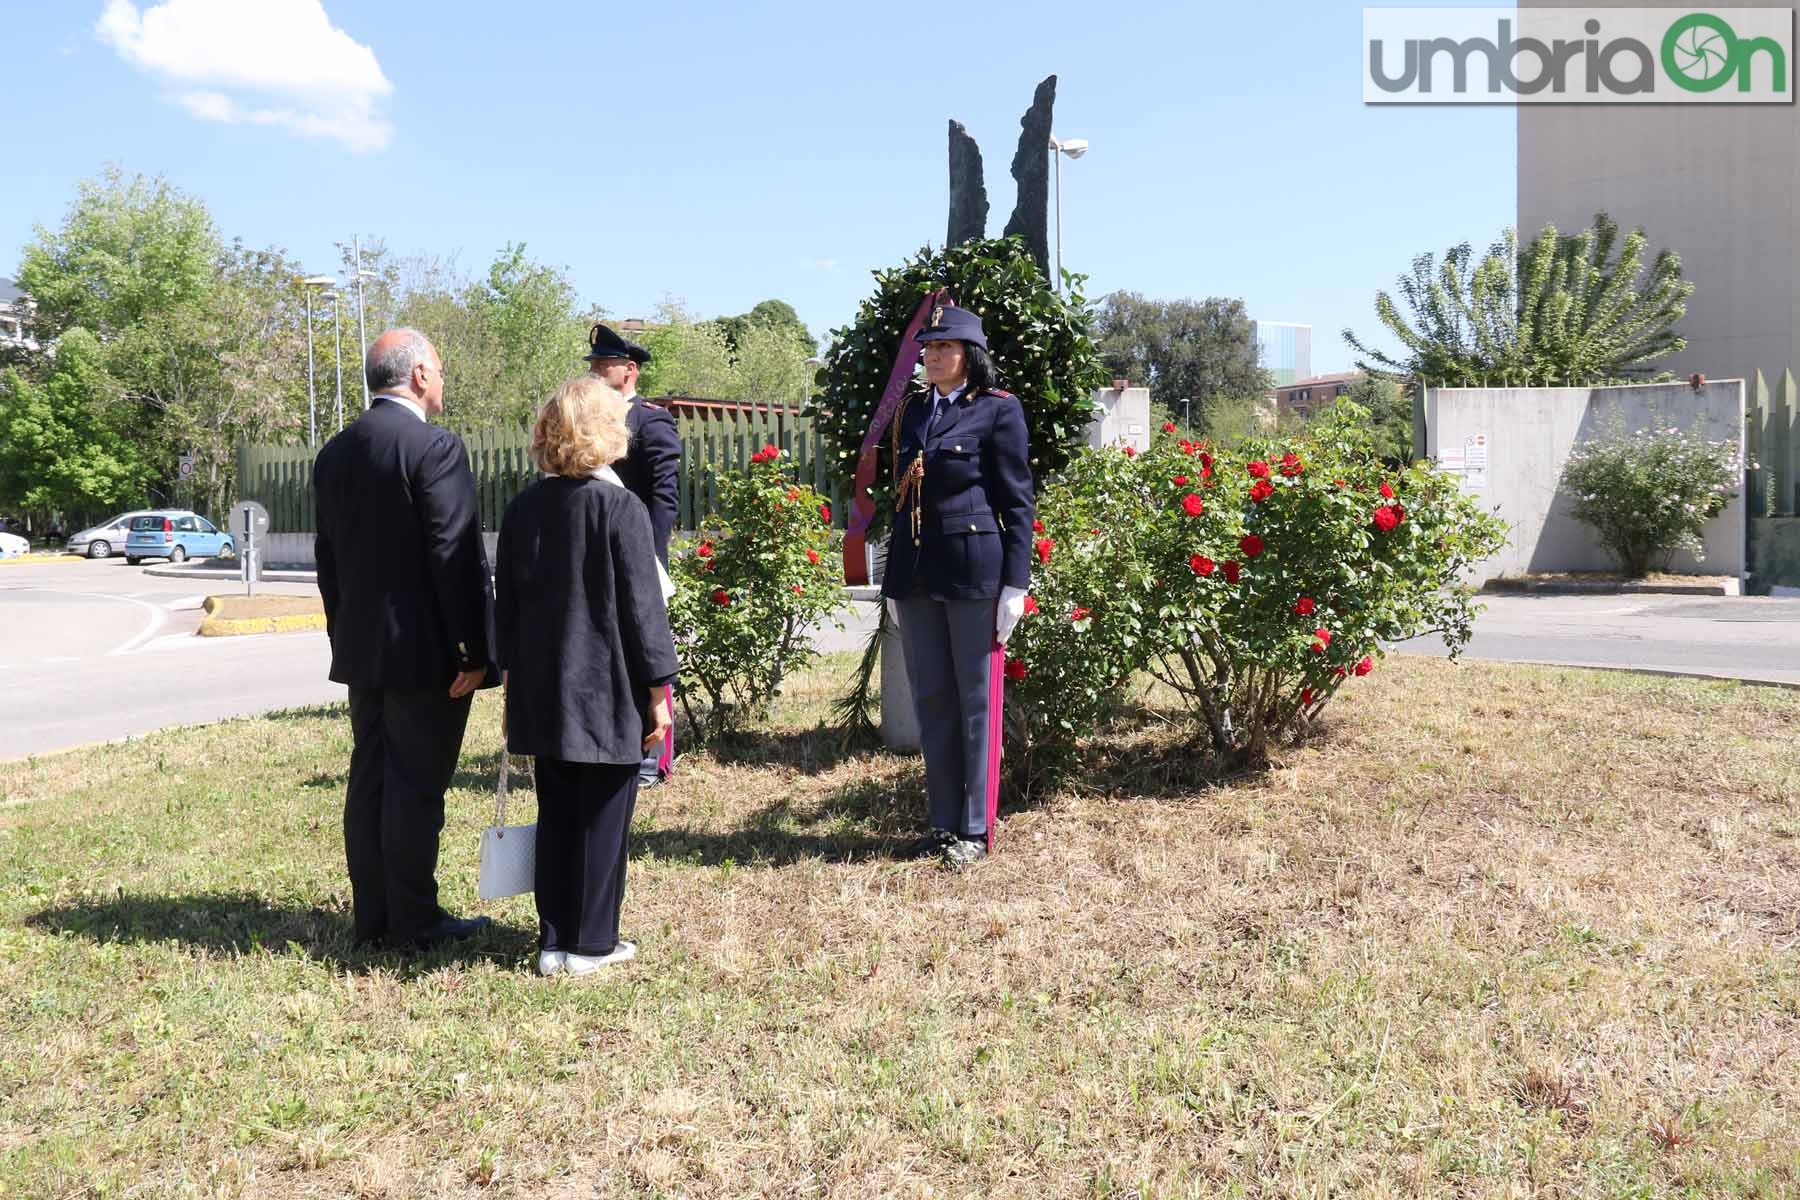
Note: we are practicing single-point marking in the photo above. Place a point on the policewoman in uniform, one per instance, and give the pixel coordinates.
(958, 565)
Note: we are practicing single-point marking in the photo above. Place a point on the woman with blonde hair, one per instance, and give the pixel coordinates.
(586, 654)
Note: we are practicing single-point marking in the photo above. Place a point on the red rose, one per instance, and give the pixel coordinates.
(1231, 572)
(1206, 462)
(1168, 427)
(1037, 527)
(1304, 606)
(1399, 513)
(1387, 490)
(812, 556)
(1258, 469)
(722, 597)
(1202, 565)
(1192, 505)
(1080, 614)
(825, 513)
(1386, 518)
(1321, 639)
(1251, 545)
(1365, 666)
(1340, 672)
(1180, 481)
(1044, 547)
(1016, 669)
(1340, 483)
(793, 493)
(704, 550)
(1306, 697)
(1261, 490)
(1031, 605)
(1291, 465)
(710, 564)
(798, 589)
(1130, 452)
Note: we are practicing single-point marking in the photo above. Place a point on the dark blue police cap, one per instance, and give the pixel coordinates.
(604, 343)
(947, 321)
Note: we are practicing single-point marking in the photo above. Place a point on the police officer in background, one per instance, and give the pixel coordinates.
(958, 565)
(650, 470)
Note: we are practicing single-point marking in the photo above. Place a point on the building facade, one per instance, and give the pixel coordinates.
(1284, 349)
(15, 316)
(1306, 398)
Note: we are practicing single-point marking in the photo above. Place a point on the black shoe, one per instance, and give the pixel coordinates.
(932, 844)
(451, 929)
(649, 781)
(965, 852)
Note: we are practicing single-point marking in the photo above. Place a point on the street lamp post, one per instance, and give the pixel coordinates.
(1074, 148)
(312, 399)
(337, 326)
(362, 334)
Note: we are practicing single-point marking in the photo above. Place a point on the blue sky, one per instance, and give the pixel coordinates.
(723, 153)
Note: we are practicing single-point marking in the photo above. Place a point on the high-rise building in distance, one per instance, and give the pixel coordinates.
(1284, 349)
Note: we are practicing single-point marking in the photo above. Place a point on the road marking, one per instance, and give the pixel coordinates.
(158, 615)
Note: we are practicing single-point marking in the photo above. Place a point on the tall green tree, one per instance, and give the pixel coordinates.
(63, 445)
(1197, 350)
(1567, 309)
(128, 248)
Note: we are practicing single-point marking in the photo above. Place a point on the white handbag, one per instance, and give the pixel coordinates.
(508, 852)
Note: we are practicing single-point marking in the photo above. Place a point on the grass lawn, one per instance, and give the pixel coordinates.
(1502, 931)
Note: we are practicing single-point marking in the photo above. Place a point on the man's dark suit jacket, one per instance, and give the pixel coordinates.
(401, 565)
(651, 467)
(580, 621)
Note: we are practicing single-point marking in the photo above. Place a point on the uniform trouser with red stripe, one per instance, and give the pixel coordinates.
(952, 664)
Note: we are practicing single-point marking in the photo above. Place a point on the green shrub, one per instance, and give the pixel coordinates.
(1254, 581)
(749, 588)
(1650, 493)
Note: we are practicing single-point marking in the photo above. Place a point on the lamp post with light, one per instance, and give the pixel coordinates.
(1074, 148)
(312, 399)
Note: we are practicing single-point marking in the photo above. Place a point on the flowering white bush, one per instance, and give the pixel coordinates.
(1650, 493)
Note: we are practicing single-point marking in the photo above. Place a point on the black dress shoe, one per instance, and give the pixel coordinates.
(931, 845)
(451, 929)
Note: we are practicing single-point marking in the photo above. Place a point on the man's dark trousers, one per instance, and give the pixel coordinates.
(407, 743)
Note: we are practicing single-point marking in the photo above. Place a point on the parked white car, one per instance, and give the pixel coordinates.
(12, 545)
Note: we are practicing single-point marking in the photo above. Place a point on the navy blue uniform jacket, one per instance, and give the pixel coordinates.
(581, 623)
(975, 532)
(652, 466)
(402, 569)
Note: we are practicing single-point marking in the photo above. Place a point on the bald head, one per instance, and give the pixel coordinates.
(403, 362)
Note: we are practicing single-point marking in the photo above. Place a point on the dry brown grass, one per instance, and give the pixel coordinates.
(1499, 931)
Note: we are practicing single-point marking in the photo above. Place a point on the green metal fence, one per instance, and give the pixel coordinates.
(721, 439)
(1772, 420)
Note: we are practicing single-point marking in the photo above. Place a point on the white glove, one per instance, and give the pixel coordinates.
(1008, 612)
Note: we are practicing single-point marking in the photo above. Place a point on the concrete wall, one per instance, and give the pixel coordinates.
(1529, 433)
(1716, 183)
(296, 549)
(1125, 419)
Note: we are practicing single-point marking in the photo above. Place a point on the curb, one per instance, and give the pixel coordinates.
(241, 626)
(1523, 587)
(39, 560)
(230, 578)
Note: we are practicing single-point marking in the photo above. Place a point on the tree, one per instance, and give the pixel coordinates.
(776, 315)
(1565, 310)
(1039, 342)
(1390, 415)
(62, 446)
(687, 358)
(531, 311)
(127, 249)
(1200, 351)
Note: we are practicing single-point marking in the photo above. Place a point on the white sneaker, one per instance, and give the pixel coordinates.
(551, 961)
(587, 964)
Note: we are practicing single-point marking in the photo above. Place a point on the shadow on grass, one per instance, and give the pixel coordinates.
(853, 824)
(244, 923)
(308, 712)
(809, 751)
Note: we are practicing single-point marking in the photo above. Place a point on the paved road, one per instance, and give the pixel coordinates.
(1736, 637)
(96, 651)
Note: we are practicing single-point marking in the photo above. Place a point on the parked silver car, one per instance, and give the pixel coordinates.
(105, 539)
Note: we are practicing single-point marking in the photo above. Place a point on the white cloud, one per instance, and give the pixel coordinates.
(258, 62)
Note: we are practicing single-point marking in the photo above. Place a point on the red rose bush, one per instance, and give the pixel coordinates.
(1254, 581)
(748, 589)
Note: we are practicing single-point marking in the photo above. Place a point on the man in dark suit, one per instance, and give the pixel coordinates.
(408, 607)
(650, 470)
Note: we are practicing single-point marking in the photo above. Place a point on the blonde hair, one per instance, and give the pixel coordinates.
(580, 429)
